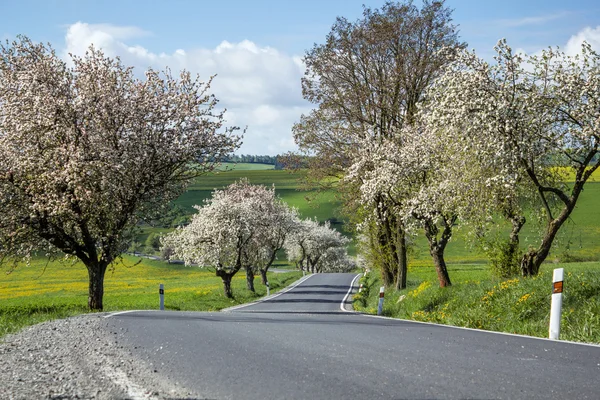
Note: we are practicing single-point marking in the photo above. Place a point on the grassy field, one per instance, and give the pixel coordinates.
(40, 292)
(576, 240)
(478, 300)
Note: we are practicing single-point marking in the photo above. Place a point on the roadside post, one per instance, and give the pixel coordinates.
(360, 288)
(161, 295)
(380, 307)
(268, 289)
(556, 305)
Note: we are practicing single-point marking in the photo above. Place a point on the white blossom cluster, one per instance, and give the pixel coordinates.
(318, 248)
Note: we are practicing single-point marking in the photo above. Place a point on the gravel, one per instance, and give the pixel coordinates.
(76, 358)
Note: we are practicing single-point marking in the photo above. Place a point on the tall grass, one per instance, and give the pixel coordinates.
(478, 300)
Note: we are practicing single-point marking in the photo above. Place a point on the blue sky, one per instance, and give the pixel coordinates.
(255, 47)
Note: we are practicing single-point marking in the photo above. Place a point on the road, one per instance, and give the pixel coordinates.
(301, 345)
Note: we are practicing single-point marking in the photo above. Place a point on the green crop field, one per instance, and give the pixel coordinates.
(286, 184)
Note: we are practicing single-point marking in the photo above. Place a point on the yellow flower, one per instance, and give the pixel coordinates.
(524, 297)
(422, 287)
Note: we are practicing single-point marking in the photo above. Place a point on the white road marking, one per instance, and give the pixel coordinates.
(482, 330)
(348, 294)
(124, 312)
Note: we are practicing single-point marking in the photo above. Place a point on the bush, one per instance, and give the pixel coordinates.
(153, 242)
(504, 259)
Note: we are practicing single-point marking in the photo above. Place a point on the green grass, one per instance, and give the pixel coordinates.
(203, 186)
(478, 300)
(577, 239)
(39, 292)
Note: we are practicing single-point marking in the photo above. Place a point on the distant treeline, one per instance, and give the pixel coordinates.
(254, 159)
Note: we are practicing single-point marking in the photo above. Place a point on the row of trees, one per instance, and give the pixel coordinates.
(430, 134)
(244, 226)
(367, 80)
(88, 151)
(254, 159)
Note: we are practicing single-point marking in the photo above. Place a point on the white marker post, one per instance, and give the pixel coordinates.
(556, 306)
(380, 307)
(360, 288)
(161, 295)
(268, 289)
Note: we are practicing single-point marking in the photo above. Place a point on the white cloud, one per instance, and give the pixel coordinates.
(536, 20)
(259, 86)
(588, 34)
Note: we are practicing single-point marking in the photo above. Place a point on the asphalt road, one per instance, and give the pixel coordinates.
(301, 345)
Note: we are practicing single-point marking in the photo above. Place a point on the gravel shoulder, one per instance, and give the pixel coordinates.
(76, 358)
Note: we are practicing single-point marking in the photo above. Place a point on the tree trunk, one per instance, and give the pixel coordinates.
(263, 272)
(96, 272)
(440, 266)
(402, 261)
(533, 259)
(512, 255)
(250, 279)
(226, 278)
(263, 276)
(437, 247)
(528, 265)
(388, 250)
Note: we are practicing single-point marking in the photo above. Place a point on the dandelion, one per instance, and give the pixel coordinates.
(524, 298)
(422, 287)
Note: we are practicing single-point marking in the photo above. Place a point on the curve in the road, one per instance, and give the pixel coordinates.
(317, 293)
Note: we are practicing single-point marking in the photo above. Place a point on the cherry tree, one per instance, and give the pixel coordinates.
(317, 248)
(336, 259)
(530, 113)
(277, 222)
(240, 227)
(416, 179)
(88, 150)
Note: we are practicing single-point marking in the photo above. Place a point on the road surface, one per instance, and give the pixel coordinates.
(301, 345)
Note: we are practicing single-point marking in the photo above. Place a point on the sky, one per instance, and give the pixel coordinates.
(255, 47)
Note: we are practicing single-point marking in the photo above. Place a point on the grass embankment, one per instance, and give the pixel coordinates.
(40, 292)
(477, 300)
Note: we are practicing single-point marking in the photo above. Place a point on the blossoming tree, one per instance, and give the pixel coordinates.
(88, 150)
(416, 179)
(240, 227)
(220, 234)
(534, 113)
(277, 222)
(317, 248)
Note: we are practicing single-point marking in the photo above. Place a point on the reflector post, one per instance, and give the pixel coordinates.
(556, 305)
